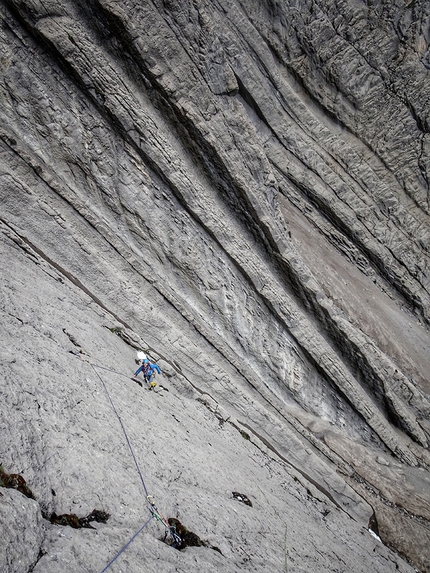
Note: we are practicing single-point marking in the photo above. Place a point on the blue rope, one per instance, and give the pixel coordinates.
(126, 545)
(123, 429)
(153, 509)
(109, 370)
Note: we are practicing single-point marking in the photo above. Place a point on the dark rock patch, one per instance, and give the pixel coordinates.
(242, 498)
(188, 538)
(76, 522)
(15, 481)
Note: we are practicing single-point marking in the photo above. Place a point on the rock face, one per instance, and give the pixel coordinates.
(240, 190)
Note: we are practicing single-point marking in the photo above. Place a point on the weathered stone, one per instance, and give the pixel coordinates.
(241, 191)
(22, 531)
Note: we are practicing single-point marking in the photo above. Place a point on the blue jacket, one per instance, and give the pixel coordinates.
(153, 367)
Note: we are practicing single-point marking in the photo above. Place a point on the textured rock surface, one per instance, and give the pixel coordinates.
(240, 189)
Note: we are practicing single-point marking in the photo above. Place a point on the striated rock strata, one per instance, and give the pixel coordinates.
(241, 190)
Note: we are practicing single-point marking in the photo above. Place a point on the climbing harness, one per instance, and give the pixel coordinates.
(152, 507)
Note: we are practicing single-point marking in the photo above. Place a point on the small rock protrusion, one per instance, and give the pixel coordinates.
(188, 538)
(242, 498)
(15, 481)
(78, 522)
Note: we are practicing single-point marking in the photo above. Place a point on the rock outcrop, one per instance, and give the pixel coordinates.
(241, 190)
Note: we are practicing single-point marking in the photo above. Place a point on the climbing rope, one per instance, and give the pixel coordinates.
(108, 369)
(127, 544)
(176, 539)
(153, 509)
(93, 366)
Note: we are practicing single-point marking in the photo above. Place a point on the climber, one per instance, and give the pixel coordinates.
(144, 366)
(148, 370)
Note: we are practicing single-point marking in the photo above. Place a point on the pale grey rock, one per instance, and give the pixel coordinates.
(240, 190)
(22, 531)
(6, 356)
